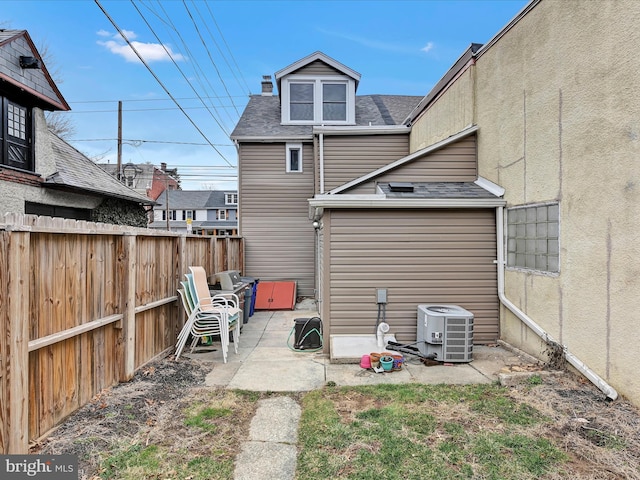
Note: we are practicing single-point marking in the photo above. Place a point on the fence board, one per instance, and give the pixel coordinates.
(4, 333)
(17, 353)
(61, 284)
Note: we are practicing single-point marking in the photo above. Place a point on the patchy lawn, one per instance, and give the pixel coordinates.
(165, 425)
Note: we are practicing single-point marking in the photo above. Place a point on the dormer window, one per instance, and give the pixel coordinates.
(319, 101)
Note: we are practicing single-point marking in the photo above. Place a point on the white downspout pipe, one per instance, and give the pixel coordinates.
(607, 389)
(321, 153)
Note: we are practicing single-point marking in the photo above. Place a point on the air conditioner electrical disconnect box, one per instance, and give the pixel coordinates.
(446, 332)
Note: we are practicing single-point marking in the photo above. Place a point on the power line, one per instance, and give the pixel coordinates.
(208, 52)
(124, 36)
(154, 99)
(229, 50)
(150, 141)
(77, 112)
(179, 69)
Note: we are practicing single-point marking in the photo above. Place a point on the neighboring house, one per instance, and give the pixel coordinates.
(39, 172)
(145, 178)
(203, 212)
(554, 98)
(315, 136)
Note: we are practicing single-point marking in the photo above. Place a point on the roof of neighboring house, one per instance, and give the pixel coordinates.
(261, 118)
(77, 172)
(196, 224)
(194, 199)
(34, 81)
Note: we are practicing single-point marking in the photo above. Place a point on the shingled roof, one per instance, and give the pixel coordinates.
(42, 90)
(261, 118)
(77, 172)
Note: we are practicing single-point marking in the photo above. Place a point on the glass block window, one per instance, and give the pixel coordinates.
(533, 237)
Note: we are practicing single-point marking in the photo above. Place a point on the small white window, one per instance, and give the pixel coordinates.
(294, 157)
(231, 199)
(222, 214)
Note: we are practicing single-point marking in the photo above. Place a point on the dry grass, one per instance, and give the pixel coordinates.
(600, 438)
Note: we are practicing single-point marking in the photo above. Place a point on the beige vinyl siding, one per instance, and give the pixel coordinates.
(421, 257)
(454, 163)
(274, 215)
(348, 157)
(317, 68)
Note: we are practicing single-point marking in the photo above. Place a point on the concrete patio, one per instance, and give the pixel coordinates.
(265, 361)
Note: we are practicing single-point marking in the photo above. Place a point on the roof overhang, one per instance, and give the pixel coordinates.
(278, 139)
(312, 58)
(361, 130)
(381, 201)
(53, 183)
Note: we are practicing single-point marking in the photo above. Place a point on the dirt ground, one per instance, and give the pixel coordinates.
(602, 438)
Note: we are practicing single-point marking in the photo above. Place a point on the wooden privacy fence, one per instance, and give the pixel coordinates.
(82, 307)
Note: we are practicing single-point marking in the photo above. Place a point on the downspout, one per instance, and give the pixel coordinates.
(321, 153)
(607, 389)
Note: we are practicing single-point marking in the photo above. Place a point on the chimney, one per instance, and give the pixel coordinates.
(163, 166)
(267, 86)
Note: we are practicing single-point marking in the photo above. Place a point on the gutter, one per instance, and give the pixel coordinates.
(593, 377)
(382, 201)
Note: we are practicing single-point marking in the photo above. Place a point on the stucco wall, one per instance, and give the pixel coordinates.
(557, 110)
(453, 111)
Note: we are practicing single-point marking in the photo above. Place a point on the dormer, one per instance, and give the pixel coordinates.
(317, 90)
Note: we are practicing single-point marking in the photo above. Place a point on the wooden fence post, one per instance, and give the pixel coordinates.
(18, 342)
(129, 320)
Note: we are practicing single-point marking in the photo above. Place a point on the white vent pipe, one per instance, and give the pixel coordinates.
(382, 329)
(593, 377)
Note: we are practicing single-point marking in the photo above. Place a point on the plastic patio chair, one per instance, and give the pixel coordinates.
(207, 316)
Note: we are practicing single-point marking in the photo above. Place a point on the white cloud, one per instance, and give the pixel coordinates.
(150, 52)
(428, 47)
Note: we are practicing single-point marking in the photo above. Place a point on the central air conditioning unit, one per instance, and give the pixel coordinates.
(445, 333)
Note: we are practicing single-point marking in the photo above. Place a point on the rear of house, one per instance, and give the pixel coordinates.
(318, 204)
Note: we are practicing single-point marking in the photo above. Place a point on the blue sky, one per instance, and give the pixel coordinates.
(210, 55)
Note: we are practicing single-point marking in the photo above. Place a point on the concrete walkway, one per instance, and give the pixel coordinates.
(265, 362)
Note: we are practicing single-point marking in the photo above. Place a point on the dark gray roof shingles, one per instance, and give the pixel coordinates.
(76, 171)
(439, 190)
(195, 199)
(261, 117)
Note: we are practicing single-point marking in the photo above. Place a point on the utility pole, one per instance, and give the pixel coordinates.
(166, 196)
(119, 164)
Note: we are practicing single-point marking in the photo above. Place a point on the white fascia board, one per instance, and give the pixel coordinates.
(381, 201)
(361, 129)
(490, 187)
(312, 58)
(424, 151)
(276, 139)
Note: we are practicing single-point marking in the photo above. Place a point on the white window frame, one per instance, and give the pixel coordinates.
(318, 100)
(230, 196)
(222, 214)
(297, 147)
